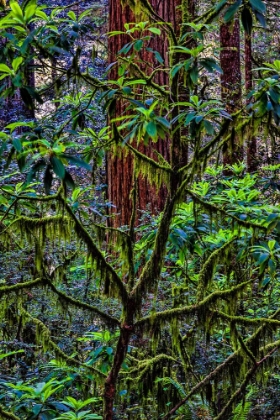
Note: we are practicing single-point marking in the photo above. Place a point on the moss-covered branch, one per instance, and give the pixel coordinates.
(169, 314)
(148, 160)
(5, 290)
(148, 79)
(7, 415)
(246, 321)
(242, 388)
(45, 198)
(110, 274)
(152, 269)
(43, 336)
(145, 365)
(213, 208)
(37, 222)
(203, 152)
(224, 365)
(78, 304)
(207, 271)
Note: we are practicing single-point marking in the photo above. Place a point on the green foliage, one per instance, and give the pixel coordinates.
(178, 311)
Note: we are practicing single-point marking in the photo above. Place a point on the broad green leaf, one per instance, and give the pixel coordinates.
(16, 63)
(208, 127)
(231, 11)
(76, 161)
(72, 15)
(156, 31)
(57, 167)
(138, 45)
(258, 5)
(29, 11)
(14, 125)
(17, 144)
(42, 15)
(151, 129)
(5, 69)
(16, 9)
(136, 82)
(3, 355)
(260, 18)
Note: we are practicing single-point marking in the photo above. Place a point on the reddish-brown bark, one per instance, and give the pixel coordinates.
(252, 163)
(120, 168)
(110, 384)
(231, 83)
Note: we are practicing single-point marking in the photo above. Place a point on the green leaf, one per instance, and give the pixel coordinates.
(138, 45)
(29, 11)
(151, 129)
(208, 127)
(156, 31)
(194, 75)
(21, 161)
(260, 18)
(17, 144)
(126, 48)
(76, 161)
(72, 15)
(16, 63)
(17, 10)
(41, 14)
(175, 69)
(57, 167)
(158, 57)
(191, 116)
(163, 121)
(107, 336)
(5, 69)
(220, 5)
(136, 82)
(3, 355)
(126, 90)
(231, 11)
(271, 266)
(258, 5)
(14, 125)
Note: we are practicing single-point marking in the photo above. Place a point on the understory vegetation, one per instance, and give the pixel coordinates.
(174, 315)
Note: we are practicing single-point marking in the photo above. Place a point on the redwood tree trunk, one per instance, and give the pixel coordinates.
(252, 142)
(231, 83)
(120, 168)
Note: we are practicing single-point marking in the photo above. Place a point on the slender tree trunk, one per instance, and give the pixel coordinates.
(120, 173)
(111, 381)
(252, 163)
(231, 83)
(120, 167)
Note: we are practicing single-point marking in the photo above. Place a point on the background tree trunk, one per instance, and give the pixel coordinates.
(231, 83)
(120, 168)
(252, 163)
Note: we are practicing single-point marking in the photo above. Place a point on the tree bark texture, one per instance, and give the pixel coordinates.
(120, 168)
(231, 83)
(252, 163)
